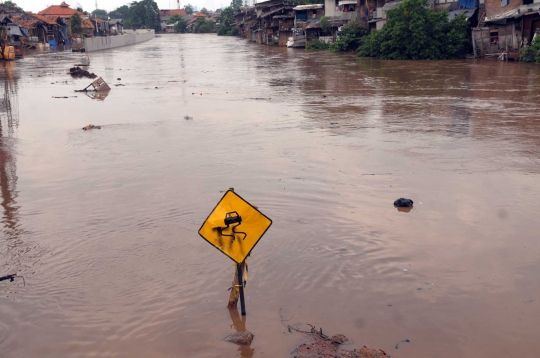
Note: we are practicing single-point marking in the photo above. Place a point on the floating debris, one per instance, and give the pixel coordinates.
(90, 126)
(77, 72)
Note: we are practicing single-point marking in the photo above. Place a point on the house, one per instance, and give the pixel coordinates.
(116, 26)
(192, 20)
(100, 26)
(307, 25)
(505, 26)
(274, 23)
(63, 10)
(342, 9)
(42, 28)
(244, 19)
(165, 15)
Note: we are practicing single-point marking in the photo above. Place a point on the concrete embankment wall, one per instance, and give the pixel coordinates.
(128, 38)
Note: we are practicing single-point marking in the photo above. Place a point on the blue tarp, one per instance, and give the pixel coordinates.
(467, 4)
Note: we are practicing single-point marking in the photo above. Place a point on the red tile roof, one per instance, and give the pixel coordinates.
(200, 14)
(60, 10)
(179, 12)
(29, 24)
(87, 24)
(50, 20)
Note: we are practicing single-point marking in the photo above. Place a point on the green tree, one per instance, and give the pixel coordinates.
(349, 37)
(531, 53)
(226, 21)
(9, 5)
(416, 32)
(326, 27)
(189, 9)
(120, 13)
(143, 14)
(100, 14)
(174, 19)
(317, 45)
(80, 9)
(204, 11)
(235, 4)
(203, 26)
(180, 26)
(75, 23)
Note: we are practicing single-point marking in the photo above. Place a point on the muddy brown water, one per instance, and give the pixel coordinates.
(103, 224)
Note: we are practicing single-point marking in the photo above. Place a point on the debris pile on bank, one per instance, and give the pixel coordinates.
(320, 345)
(77, 72)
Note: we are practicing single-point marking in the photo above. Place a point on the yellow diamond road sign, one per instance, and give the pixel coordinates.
(234, 227)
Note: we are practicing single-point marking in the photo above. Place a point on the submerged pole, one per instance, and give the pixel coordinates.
(241, 269)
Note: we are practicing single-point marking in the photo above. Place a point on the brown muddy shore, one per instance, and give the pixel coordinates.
(103, 223)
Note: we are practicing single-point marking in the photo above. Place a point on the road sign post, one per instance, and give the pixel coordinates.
(241, 268)
(234, 227)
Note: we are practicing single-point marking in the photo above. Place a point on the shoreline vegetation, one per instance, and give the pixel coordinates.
(414, 31)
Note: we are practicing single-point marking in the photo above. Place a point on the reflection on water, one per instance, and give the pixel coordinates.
(239, 325)
(9, 121)
(99, 96)
(9, 104)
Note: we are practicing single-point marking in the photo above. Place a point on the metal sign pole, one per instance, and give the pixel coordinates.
(241, 268)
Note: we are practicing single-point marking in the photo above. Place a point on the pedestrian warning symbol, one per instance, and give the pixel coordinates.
(234, 227)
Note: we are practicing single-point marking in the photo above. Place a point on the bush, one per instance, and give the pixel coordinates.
(317, 45)
(227, 31)
(416, 32)
(531, 53)
(180, 26)
(370, 45)
(203, 26)
(349, 37)
(325, 25)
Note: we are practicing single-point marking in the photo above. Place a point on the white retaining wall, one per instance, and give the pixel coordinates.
(92, 44)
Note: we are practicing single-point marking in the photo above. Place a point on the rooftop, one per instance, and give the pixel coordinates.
(60, 10)
(171, 12)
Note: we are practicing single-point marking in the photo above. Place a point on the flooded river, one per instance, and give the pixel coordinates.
(103, 224)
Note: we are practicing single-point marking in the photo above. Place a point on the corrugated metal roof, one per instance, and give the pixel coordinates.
(14, 30)
(391, 5)
(467, 12)
(311, 7)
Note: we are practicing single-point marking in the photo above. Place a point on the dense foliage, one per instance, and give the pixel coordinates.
(143, 14)
(180, 24)
(317, 45)
(203, 26)
(189, 9)
(120, 13)
(75, 23)
(531, 53)
(100, 14)
(235, 4)
(204, 11)
(9, 5)
(349, 37)
(225, 23)
(325, 25)
(416, 32)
